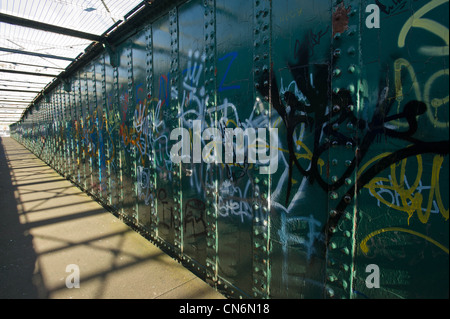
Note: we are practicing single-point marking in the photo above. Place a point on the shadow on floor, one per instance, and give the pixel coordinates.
(17, 255)
(46, 223)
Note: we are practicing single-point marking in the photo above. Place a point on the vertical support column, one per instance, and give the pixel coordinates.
(51, 124)
(55, 158)
(71, 119)
(47, 142)
(95, 167)
(115, 114)
(154, 220)
(212, 261)
(83, 124)
(343, 154)
(68, 134)
(87, 145)
(106, 175)
(261, 185)
(133, 151)
(174, 109)
(79, 123)
(54, 125)
(63, 133)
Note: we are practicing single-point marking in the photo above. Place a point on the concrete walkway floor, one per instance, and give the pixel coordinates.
(47, 224)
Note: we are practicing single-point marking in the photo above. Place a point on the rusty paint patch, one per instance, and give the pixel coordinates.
(340, 19)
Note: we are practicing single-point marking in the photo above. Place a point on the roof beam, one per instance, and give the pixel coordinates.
(32, 65)
(21, 91)
(41, 55)
(28, 73)
(12, 101)
(48, 27)
(23, 84)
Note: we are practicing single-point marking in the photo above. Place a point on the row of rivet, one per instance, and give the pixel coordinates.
(65, 119)
(87, 171)
(133, 150)
(59, 140)
(261, 227)
(340, 245)
(94, 114)
(211, 195)
(174, 108)
(154, 220)
(55, 128)
(105, 112)
(118, 190)
(69, 126)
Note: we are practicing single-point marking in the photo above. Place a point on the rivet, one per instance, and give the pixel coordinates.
(344, 284)
(351, 89)
(332, 278)
(337, 52)
(347, 198)
(334, 195)
(330, 292)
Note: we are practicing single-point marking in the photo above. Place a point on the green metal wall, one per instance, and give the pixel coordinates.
(360, 101)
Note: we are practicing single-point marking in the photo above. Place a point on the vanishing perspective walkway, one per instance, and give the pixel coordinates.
(48, 224)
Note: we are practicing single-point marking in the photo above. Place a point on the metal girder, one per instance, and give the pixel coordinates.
(2, 109)
(48, 27)
(33, 65)
(15, 101)
(41, 55)
(28, 73)
(10, 115)
(25, 87)
(21, 91)
(22, 82)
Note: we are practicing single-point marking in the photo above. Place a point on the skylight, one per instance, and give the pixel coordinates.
(40, 38)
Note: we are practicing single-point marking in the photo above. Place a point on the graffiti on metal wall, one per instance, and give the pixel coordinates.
(313, 118)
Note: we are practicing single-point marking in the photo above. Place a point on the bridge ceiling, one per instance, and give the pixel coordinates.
(39, 39)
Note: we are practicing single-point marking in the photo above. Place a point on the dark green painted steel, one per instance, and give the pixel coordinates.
(362, 116)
